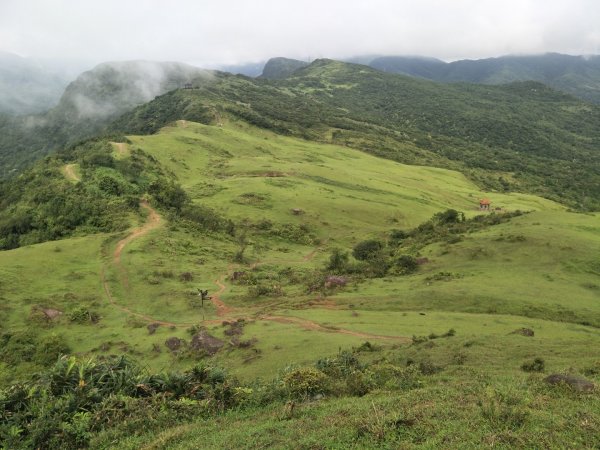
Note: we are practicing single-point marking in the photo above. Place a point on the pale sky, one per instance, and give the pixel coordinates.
(211, 33)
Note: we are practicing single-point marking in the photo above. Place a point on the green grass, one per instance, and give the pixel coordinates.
(431, 417)
(539, 270)
(542, 265)
(343, 192)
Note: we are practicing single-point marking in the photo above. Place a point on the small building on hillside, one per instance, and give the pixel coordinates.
(485, 204)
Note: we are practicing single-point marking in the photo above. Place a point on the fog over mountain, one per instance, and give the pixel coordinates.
(29, 86)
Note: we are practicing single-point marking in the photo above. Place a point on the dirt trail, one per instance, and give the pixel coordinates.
(121, 148)
(222, 308)
(154, 221)
(69, 172)
(223, 311)
(313, 326)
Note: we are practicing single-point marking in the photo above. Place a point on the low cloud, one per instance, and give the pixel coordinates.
(210, 34)
(114, 87)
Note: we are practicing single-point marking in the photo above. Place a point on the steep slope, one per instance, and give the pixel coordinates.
(576, 75)
(522, 136)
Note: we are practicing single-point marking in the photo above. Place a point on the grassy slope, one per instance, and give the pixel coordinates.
(539, 266)
(522, 137)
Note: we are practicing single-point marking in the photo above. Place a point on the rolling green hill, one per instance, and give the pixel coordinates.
(522, 136)
(269, 224)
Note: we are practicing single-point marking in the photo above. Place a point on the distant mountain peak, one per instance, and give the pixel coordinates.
(278, 68)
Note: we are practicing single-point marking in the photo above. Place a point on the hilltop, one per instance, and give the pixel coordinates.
(278, 68)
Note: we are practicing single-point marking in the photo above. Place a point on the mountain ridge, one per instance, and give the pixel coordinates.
(577, 75)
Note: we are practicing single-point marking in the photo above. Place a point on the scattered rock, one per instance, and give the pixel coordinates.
(51, 314)
(174, 343)
(297, 211)
(576, 383)
(335, 281)
(235, 342)
(186, 276)
(524, 332)
(153, 327)
(238, 275)
(235, 329)
(202, 341)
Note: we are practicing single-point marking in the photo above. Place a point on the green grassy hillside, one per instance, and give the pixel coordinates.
(522, 137)
(269, 225)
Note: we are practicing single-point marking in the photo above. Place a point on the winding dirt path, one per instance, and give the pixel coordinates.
(313, 326)
(223, 311)
(222, 308)
(154, 221)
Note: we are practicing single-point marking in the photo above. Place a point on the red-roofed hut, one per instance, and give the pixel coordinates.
(484, 204)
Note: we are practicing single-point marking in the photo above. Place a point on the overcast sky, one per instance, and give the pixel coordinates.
(210, 33)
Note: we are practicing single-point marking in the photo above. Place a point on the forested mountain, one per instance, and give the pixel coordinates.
(577, 75)
(278, 68)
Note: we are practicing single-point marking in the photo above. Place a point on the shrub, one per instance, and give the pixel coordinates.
(338, 261)
(537, 365)
(84, 315)
(359, 383)
(265, 290)
(168, 194)
(344, 364)
(429, 368)
(419, 339)
(366, 250)
(186, 277)
(305, 382)
(449, 216)
(397, 236)
(406, 264)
